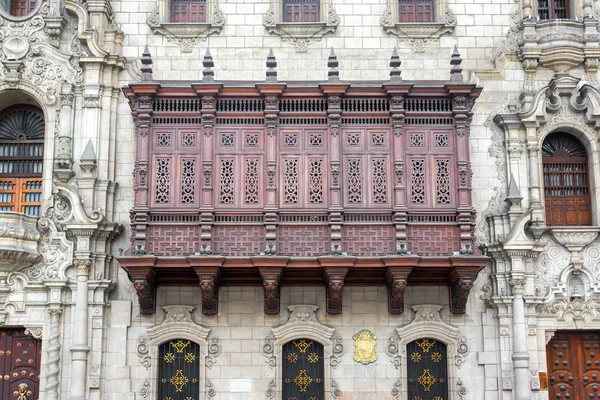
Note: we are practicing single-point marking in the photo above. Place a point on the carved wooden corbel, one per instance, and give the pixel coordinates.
(271, 277)
(461, 281)
(209, 284)
(144, 282)
(335, 285)
(397, 278)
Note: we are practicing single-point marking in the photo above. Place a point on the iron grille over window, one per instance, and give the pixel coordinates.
(188, 10)
(303, 370)
(21, 157)
(427, 370)
(415, 10)
(179, 370)
(566, 183)
(553, 9)
(20, 8)
(301, 11)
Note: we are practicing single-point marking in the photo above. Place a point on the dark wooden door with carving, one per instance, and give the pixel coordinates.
(20, 357)
(303, 370)
(574, 366)
(427, 370)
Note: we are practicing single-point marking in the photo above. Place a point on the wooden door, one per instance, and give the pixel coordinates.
(20, 356)
(574, 366)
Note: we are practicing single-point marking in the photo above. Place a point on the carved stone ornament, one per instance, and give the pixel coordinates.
(190, 33)
(271, 278)
(397, 279)
(141, 350)
(417, 34)
(335, 285)
(209, 281)
(397, 390)
(335, 390)
(364, 343)
(270, 392)
(301, 35)
(461, 282)
(267, 349)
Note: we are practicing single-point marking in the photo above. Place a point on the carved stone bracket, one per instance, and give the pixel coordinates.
(335, 270)
(396, 277)
(143, 278)
(271, 277)
(461, 281)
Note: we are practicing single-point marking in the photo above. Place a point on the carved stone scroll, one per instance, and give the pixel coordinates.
(396, 278)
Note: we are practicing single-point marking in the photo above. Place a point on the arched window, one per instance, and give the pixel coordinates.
(301, 10)
(566, 183)
(18, 8)
(188, 11)
(179, 370)
(21, 158)
(303, 370)
(553, 9)
(427, 370)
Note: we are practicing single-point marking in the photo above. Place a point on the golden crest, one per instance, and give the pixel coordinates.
(364, 341)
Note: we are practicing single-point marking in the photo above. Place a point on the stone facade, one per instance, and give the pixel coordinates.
(59, 275)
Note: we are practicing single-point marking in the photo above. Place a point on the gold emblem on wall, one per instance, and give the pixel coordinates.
(364, 341)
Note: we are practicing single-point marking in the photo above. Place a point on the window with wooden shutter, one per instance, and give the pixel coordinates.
(566, 181)
(21, 8)
(188, 11)
(179, 370)
(303, 370)
(21, 158)
(553, 9)
(415, 11)
(301, 11)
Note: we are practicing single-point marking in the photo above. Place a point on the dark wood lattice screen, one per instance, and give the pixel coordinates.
(179, 370)
(573, 366)
(303, 370)
(553, 9)
(21, 158)
(300, 11)
(415, 11)
(20, 8)
(427, 370)
(566, 181)
(20, 357)
(188, 10)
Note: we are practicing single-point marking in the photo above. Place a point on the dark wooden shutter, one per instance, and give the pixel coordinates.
(303, 370)
(301, 11)
(415, 11)
(179, 370)
(21, 158)
(553, 9)
(20, 8)
(427, 370)
(20, 357)
(188, 11)
(566, 181)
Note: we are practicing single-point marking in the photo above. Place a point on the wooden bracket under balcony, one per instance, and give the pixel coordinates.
(396, 272)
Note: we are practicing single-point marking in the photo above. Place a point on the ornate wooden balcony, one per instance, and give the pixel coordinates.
(329, 183)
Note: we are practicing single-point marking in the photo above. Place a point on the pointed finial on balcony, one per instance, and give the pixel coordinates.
(146, 65)
(395, 65)
(333, 74)
(455, 61)
(271, 65)
(208, 75)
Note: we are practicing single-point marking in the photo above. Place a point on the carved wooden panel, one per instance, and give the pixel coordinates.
(20, 357)
(433, 240)
(239, 168)
(295, 240)
(238, 240)
(303, 168)
(373, 240)
(173, 240)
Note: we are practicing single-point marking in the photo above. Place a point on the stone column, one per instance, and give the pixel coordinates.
(520, 354)
(533, 150)
(63, 158)
(80, 348)
(52, 377)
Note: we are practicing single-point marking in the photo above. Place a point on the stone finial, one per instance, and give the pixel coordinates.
(395, 66)
(271, 65)
(208, 75)
(88, 161)
(333, 74)
(146, 65)
(455, 61)
(514, 194)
